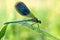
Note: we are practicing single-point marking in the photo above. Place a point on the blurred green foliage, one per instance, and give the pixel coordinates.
(48, 11)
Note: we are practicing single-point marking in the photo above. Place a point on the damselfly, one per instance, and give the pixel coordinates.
(24, 11)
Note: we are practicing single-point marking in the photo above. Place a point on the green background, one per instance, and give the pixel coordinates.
(48, 11)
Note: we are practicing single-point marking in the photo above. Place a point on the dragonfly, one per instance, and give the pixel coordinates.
(23, 10)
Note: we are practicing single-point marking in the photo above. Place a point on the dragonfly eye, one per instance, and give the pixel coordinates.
(39, 21)
(22, 8)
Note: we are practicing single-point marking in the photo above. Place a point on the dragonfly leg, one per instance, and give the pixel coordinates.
(32, 25)
(38, 25)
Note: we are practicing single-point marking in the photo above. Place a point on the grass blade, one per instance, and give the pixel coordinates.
(41, 31)
(3, 30)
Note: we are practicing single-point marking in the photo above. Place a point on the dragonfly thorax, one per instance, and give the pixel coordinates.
(36, 20)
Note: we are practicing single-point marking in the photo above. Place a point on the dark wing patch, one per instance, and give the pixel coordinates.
(22, 8)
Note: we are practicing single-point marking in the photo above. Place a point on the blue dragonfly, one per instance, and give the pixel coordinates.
(24, 11)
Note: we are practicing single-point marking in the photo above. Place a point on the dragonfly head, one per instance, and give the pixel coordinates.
(39, 21)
